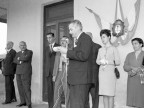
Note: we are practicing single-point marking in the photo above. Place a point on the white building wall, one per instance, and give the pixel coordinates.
(106, 10)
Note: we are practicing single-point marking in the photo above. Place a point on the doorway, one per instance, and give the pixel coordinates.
(56, 20)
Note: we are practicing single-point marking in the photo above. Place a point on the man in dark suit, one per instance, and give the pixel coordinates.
(50, 65)
(79, 65)
(94, 88)
(23, 60)
(8, 70)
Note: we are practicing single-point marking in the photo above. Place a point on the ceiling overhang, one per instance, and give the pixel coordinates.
(3, 10)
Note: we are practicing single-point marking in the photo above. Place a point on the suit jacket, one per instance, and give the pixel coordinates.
(94, 66)
(24, 62)
(8, 65)
(50, 58)
(80, 61)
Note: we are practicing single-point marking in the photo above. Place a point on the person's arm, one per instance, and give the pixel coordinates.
(14, 64)
(13, 54)
(16, 59)
(26, 57)
(98, 58)
(127, 66)
(83, 53)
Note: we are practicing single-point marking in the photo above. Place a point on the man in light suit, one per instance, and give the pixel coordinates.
(79, 65)
(94, 88)
(23, 60)
(8, 70)
(50, 58)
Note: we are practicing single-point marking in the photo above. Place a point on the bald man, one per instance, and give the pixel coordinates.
(8, 70)
(23, 60)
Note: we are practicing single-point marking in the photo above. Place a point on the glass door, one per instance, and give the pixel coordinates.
(64, 31)
(60, 29)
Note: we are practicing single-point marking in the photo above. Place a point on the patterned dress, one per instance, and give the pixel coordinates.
(107, 78)
(60, 71)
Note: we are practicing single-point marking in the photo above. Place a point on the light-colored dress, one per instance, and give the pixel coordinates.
(107, 78)
(135, 90)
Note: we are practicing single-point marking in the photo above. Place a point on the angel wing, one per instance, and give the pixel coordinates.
(133, 19)
(102, 23)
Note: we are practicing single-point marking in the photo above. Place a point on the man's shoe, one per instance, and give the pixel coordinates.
(21, 104)
(29, 106)
(13, 100)
(6, 103)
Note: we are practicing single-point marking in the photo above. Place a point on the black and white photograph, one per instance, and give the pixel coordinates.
(71, 54)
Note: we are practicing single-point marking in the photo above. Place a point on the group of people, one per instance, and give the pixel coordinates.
(86, 69)
(18, 63)
(89, 69)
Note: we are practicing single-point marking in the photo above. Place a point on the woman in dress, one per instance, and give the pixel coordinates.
(108, 57)
(133, 66)
(60, 76)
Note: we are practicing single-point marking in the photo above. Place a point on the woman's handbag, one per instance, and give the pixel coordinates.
(117, 73)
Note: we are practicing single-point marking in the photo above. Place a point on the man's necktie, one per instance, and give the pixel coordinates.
(76, 41)
(50, 47)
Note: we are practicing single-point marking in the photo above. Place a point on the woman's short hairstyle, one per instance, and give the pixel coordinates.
(139, 40)
(65, 38)
(106, 32)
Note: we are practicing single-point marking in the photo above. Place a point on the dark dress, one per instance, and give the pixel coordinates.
(135, 90)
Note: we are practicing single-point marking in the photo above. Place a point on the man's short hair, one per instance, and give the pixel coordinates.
(23, 42)
(52, 34)
(11, 43)
(77, 23)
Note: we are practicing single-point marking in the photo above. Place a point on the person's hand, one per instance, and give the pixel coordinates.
(54, 77)
(60, 49)
(103, 62)
(56, 49)
(21, 62)
(136, 69)
(18, 58)
(132, 73)
(63, 50)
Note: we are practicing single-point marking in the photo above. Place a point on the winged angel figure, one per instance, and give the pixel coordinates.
(122, 30)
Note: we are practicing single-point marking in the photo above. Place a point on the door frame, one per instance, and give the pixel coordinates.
(44, 33)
